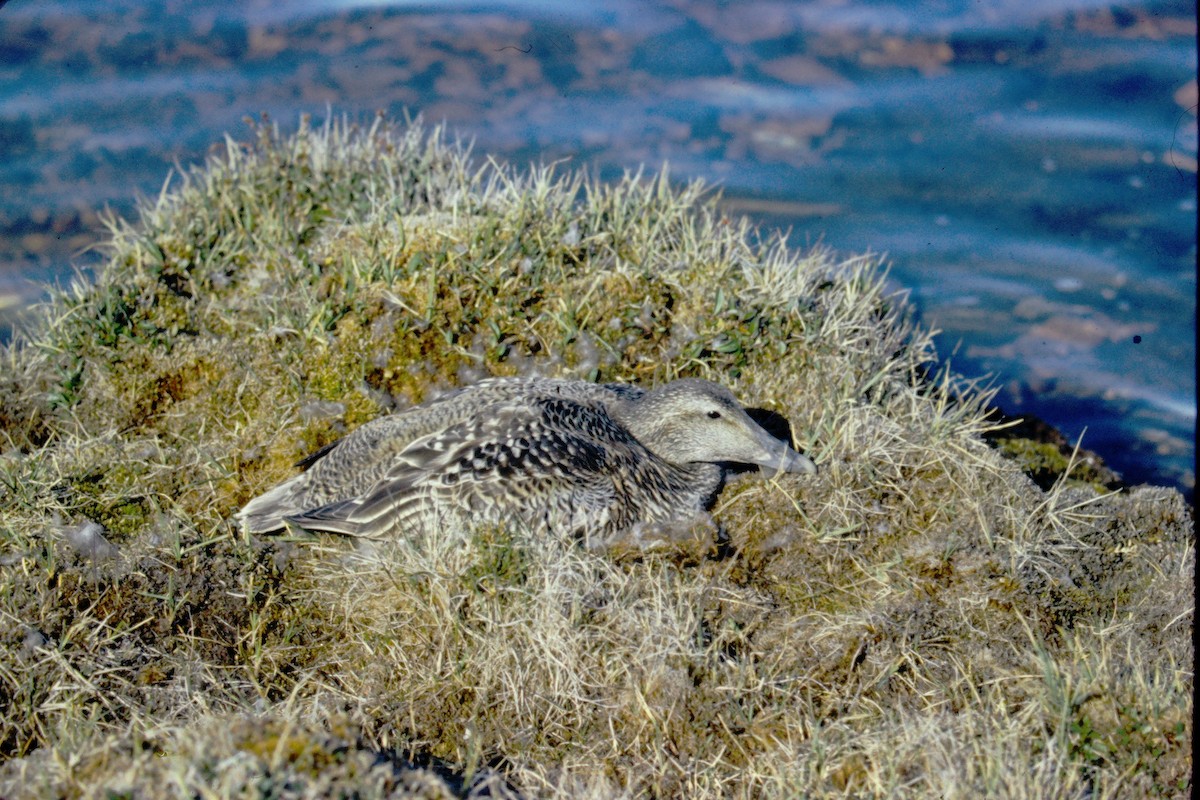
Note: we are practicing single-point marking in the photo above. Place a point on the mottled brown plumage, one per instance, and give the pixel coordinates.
(584, 459)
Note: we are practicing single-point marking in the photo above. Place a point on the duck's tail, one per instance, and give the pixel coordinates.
(265, 513)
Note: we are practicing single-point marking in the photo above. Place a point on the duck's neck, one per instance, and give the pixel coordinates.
(707, 480)
(639, 416)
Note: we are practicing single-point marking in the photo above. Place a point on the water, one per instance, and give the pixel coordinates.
(1028, 169)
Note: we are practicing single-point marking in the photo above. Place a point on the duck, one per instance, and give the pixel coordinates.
(573, 457)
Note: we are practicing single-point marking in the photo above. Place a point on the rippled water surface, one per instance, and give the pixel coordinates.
(1030, 174)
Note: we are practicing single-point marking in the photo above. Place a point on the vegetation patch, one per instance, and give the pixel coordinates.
(919, 619)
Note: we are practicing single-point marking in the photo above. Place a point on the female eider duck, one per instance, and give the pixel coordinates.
(589, 460)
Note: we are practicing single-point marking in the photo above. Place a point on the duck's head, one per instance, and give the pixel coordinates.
(693, 420)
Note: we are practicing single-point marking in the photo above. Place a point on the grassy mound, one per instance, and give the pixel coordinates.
(920, 619)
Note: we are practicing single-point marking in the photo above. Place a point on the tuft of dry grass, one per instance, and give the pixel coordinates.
(921, 619)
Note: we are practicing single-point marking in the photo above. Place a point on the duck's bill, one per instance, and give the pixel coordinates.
(779, 458)
(790, 461)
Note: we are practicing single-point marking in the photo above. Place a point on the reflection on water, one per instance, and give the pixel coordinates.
(1030, 173)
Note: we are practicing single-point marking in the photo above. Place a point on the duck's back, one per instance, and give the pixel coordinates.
(480, 435)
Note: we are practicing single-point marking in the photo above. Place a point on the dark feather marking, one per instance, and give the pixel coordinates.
(313, 458)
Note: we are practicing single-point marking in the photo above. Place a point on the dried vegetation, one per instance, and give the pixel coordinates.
(919, 620)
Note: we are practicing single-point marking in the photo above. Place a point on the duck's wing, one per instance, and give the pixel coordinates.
(338, 469)
(519, 458)
(353, 464)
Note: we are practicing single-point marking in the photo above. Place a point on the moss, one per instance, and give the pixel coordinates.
(920, 618)
(1046, 463)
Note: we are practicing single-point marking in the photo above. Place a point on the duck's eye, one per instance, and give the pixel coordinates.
(714, 415)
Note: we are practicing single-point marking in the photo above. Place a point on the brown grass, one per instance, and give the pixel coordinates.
(918, 620)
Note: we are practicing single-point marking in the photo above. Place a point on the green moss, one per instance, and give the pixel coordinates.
(505, 562)
(918, 618)
(1047, 463)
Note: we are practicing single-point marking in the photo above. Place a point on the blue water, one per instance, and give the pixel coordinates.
(1029, 170)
